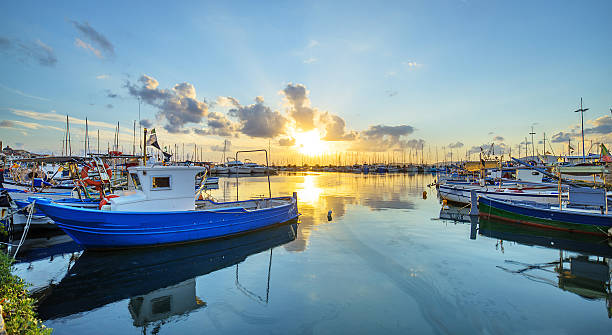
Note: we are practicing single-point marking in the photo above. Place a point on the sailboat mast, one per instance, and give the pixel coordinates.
(134, 140)
(86, 136)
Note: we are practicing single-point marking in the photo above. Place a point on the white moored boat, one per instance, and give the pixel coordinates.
(237, 167)
(256, 168)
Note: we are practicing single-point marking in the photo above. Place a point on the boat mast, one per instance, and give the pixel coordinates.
(139, 125)
(582, 110)
(134, 140)
(532, 144)
(86, 136)
(68, 143)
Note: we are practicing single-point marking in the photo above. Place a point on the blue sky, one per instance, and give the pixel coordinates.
(452, 71)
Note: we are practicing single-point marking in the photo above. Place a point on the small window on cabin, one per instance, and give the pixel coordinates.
(161, 305)
(160, 183)
(136, 181)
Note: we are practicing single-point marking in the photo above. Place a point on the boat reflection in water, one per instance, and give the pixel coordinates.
(160, 282)
(584, 265)
(457, 214)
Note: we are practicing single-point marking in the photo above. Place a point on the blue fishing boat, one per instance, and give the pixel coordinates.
(581, 214)
(159, 207)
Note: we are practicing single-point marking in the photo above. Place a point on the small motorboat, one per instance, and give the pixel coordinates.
(159, 207)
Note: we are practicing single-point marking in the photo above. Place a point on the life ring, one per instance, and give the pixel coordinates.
(106, 200)
(92, 166)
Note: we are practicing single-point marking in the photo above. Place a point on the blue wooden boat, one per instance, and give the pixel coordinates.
(577, 218)
(160, 208)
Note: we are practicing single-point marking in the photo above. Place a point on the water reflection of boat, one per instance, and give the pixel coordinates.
(585, 271)
(588, 244)
(461, 214)
(100, 278)
(166, 302)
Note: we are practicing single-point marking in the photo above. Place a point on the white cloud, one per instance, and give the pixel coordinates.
(53, 116)
(79, 43)
(310, 60)
(23, 94)
(103, 76)
(313, 43)
(412, 64)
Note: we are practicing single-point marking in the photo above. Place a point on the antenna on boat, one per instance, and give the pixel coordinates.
(582, 110)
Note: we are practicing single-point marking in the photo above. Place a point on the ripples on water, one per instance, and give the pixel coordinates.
(388, 261)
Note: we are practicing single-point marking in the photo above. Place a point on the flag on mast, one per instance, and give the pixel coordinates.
(605, 154)
(152, 141)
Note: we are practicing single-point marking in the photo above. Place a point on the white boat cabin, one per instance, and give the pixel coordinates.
(157, 189)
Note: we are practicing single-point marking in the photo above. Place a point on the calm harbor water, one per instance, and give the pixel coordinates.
(386, 262)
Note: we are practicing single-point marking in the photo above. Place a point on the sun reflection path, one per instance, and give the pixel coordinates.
(309, 193)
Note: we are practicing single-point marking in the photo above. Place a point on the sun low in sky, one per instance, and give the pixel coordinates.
(310, 143)
(429, 76)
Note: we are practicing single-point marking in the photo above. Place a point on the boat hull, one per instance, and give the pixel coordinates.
(95, 229)
(588, 223)
(462, 195)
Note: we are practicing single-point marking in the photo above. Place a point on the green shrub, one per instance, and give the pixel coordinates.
(17, 307)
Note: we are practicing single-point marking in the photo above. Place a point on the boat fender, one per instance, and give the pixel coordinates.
(424, 194)
(106, 200)
(329, 215)
(85, 174)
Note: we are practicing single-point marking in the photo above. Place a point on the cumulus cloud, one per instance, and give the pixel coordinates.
(307, 118)
(380, 131)
(286, 142)
(601, 125)
(227, 145)
(382, 138)
(335, 128)
(413, 144)
(218, 124)
(227, 102)
(299, 103)
(456, 145)
(178, 106)
(98, 43)
(560, 137)
(24, 51)
(146, 123)
(259, 120)
(491, 149)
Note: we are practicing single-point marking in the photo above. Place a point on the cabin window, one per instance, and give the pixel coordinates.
(161, 305)
(136, 181)
(160, 183)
